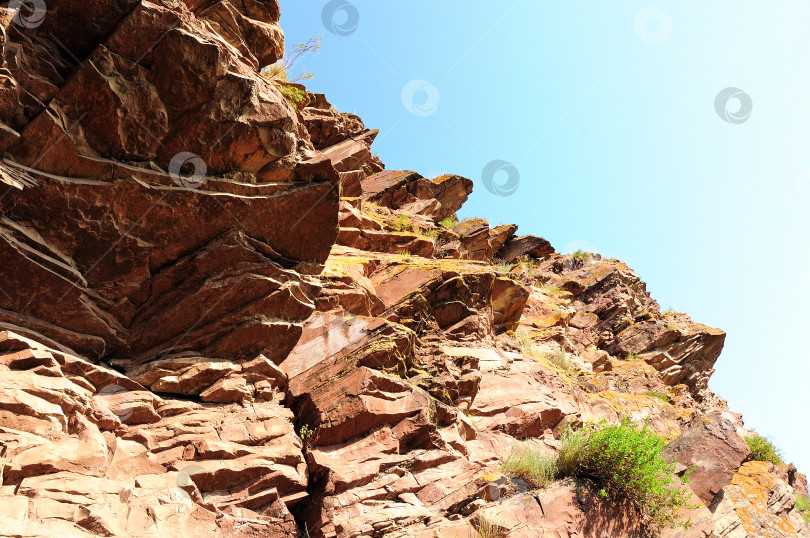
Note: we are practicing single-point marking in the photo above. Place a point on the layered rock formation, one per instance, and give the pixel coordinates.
(113, 246)
(220, 315)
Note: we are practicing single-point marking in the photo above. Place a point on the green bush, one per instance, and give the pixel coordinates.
(294, 96)
(763, 450)
(803, 507)
(579, 254)
(622, 460)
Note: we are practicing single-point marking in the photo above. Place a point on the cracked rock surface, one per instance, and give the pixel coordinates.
(220, 315)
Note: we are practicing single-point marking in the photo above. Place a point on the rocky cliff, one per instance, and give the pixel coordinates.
(221, 316)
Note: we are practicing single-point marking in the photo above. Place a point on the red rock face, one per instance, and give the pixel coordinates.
(105, 252)
(220, 315)
(713, 450)
(89, 452)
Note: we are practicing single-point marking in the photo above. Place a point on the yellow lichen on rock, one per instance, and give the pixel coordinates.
(750, 491)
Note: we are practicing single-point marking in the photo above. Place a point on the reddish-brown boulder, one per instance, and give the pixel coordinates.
(508, 301)
(528, 245)
(684, 352)
(499, 235)
(474, 239)
(713, 450)
(438, 198)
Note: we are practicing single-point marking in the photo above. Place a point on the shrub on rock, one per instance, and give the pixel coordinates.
(623, 461)
(763, 450)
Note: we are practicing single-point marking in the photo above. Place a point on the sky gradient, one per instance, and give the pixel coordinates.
(610, 119)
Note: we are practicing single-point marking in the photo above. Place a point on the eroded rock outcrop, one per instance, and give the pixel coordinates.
(220, 315)
(112, 249)
(87, 451)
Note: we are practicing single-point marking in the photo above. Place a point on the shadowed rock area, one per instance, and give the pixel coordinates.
(220, 315)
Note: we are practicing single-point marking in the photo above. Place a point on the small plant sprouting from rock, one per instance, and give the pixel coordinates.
(524, 340)
(763, 450)
(307, 434)
(294, 96)
(561, 360)
(402, 223)
(406, 255)
(449, 223)
(532, 465)
(527, 263)
(281, 69)
(503, 267)
(659, 395)
(489, 529)
(579, 254)
(433, 233)
(632, 357)
(621, 460)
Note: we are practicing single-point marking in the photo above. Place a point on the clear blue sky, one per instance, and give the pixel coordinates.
(608, 112)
